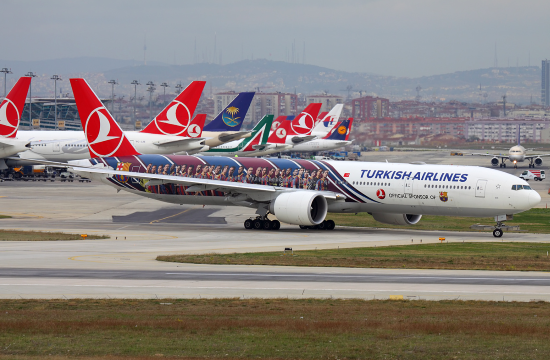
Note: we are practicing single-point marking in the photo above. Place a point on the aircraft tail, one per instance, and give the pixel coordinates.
(231, 118)
(12, 106)
(340, 132)
(349, 128)
(278, 136)
(303, 123)
(329, 121)
(194, 130)
(105, 137)
(259, 135)
(176, 117)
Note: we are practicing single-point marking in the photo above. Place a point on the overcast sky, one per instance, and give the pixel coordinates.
(391, 37)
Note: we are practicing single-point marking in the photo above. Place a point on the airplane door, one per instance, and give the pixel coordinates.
(408, 186)
(56, 147)
(480, 188)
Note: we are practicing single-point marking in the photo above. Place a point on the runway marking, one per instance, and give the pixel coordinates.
(362, 276)
(276, 288)
(171, 216)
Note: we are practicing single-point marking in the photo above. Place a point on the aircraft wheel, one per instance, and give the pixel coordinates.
(330, 225)
(497, 233)
(267, 225)
(257, 224)
(303, 227)
(276, 225)
(504, 166)
(322, 226)
(248, 224)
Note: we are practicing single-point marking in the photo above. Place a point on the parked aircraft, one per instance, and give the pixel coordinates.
(11, 109)
(301, 192)
(332, 141)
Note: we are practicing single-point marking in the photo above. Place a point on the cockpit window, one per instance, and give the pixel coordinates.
(514, 187)
(526, 187)
(521, 187)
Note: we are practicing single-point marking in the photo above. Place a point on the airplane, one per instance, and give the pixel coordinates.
(302, 192)
(247, 146)
(226, 126)
(11, 109)
(517, 153)
(331, 141)
(172, 130)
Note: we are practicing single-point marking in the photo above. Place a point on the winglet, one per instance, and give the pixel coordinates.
(12, 106)
(194, 130)
(231, 118)
(105, 137)
(176, 117)
(278, 136)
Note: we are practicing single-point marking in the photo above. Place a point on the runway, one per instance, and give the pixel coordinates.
(140, 229)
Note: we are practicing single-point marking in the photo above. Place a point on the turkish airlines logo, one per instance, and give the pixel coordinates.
(194, 130)
(275, 125)
(103, 140)
(381, 194)
(281, 133)
(175, 120)
(9, 118)
(303, 124)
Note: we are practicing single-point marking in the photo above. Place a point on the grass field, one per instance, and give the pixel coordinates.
(534, 220)
(457, 256)
(5, 217)
(273, 329)
(19, 235)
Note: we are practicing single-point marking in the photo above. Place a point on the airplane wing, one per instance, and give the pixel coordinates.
(535, 156)
(224, 137)
(200, 184)
(176, 142)
(300, 139)
(492, 155)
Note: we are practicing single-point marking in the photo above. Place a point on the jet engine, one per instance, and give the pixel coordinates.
(299, 208)
(396, 219)
(538, 161)
(494, 161)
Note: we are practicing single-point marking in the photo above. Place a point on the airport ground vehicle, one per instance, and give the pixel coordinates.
(537, 175)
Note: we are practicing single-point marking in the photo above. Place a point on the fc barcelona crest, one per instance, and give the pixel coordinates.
(443, 196)
(122, 166)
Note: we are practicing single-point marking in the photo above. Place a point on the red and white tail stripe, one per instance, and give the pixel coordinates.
(12, 106)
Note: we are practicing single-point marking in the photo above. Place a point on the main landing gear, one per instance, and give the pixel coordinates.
(325, 225)
(262, 223)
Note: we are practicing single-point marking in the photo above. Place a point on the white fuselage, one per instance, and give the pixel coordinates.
(320, 145)
(72, 145)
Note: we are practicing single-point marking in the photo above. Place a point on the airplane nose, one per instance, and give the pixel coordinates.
(534, 198)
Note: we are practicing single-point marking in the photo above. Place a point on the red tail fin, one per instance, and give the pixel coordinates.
(12, 106)
(277, 122)
(105, 137)
(278, 136)
(194, 130)
(176, 117)
(304, 123)
(349, 128)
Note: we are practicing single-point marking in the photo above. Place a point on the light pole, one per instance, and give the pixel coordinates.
(135, 83)
(6, 71)
(178, 88)
(113, 83)
(164, 85)
(31, 75)
(55, 78)
(151, 88)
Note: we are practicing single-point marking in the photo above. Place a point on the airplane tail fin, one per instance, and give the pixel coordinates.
(231, 118)
(329, 121)
(12, 106)
(340, 132)
(105, 137)
(278, 136)
(349, 128)
(277, 122)
(259, 135)
(303, 123)
(194, 130)
(176, 117)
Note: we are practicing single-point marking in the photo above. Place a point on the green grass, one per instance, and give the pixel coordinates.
(18, 235)
(535, 220)
(457, 256)
(273, 329)
(5, 217)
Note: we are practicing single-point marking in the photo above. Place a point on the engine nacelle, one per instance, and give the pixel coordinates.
(396, 219)
(299, 208)
(538, 161)
(494, 161)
